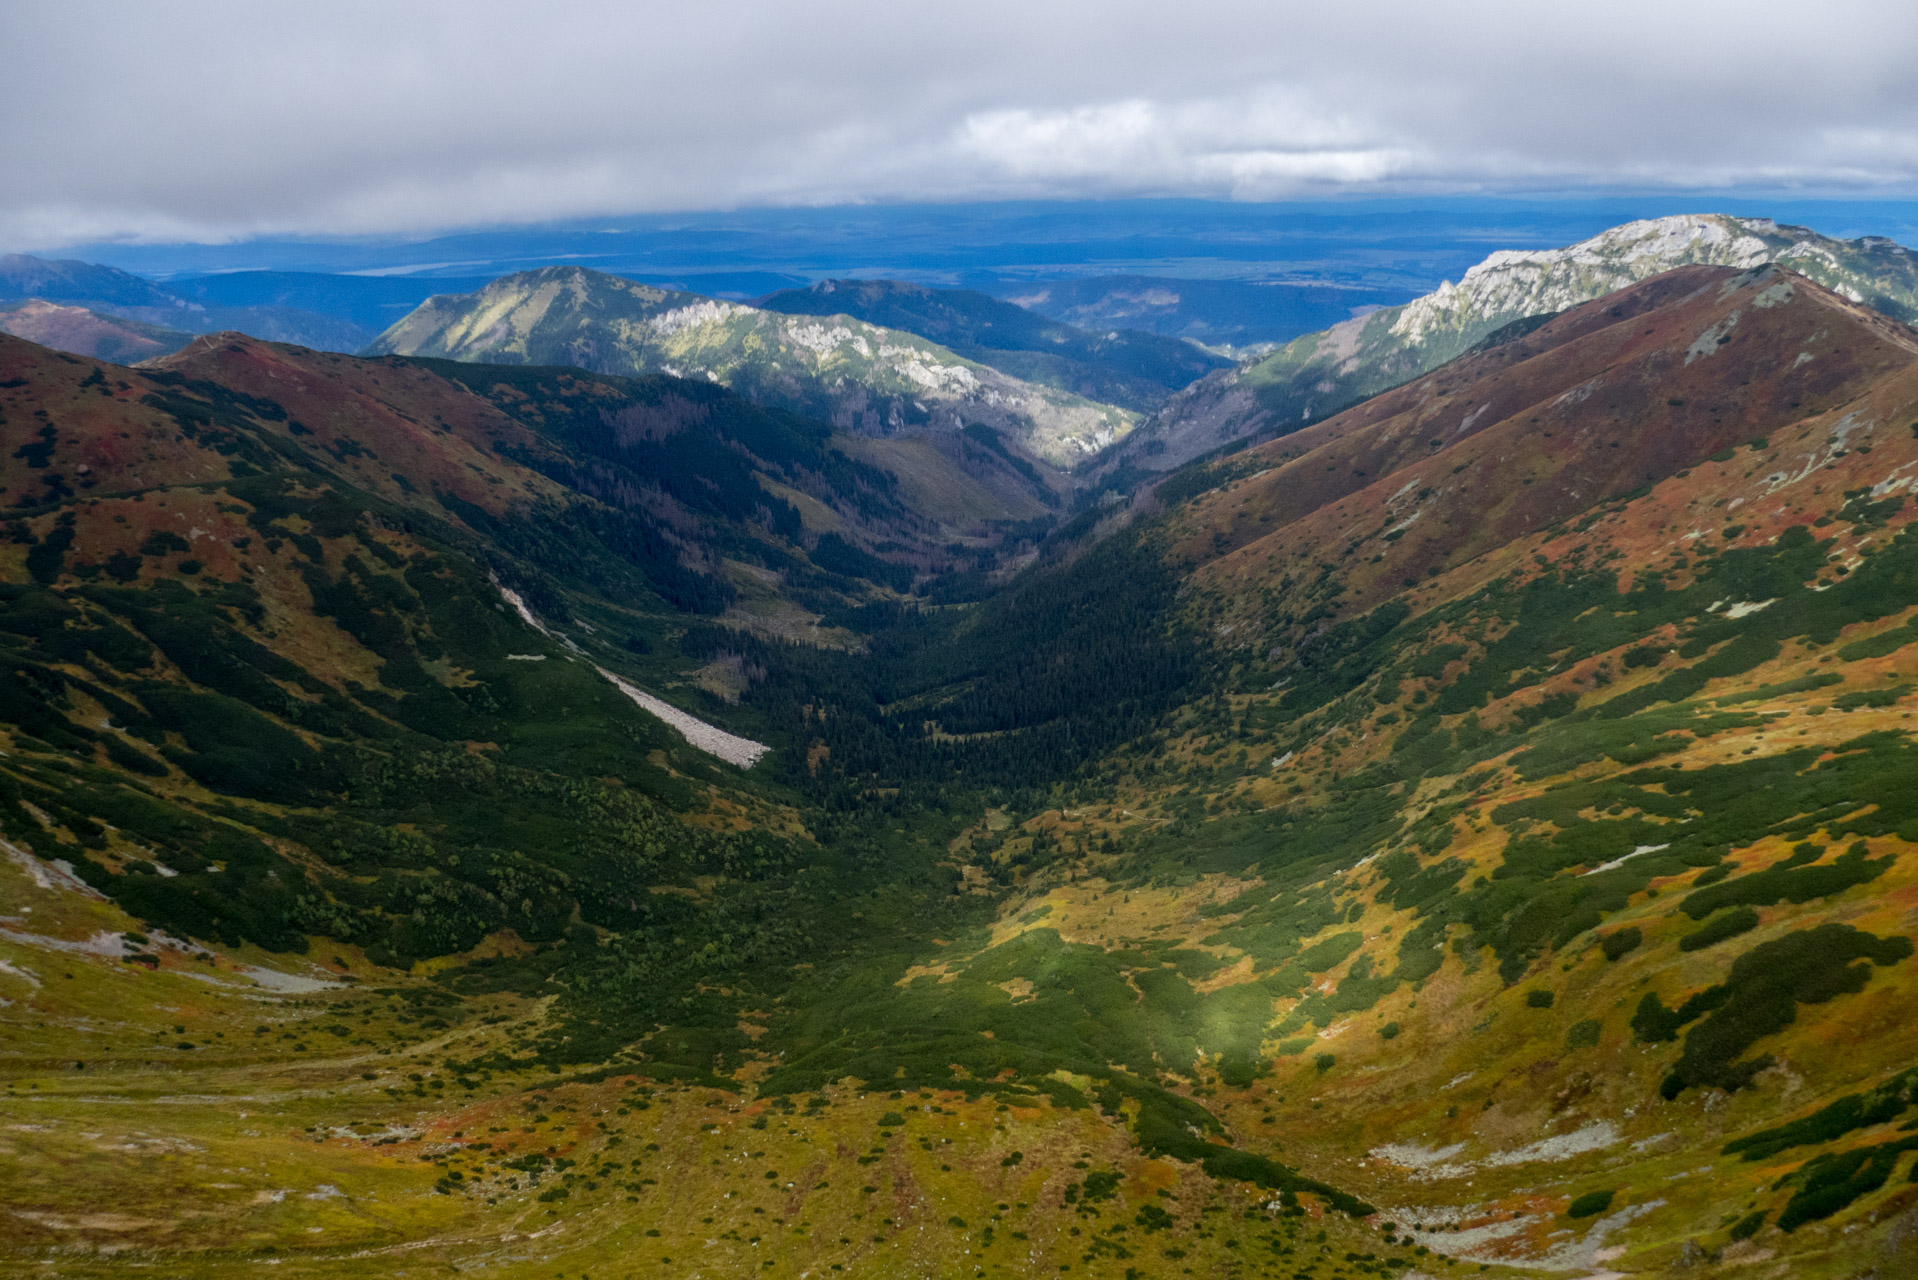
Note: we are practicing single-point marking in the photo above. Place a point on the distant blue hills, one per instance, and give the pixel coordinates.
(1229, 275)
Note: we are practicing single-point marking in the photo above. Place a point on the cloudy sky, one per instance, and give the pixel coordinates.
(198, 120)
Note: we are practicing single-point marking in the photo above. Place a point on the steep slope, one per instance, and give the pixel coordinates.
(88, 333)
(756, 515)
(222, 611)
(1594, 405)
(860, 377)
(1126, 367)
(1322, 373)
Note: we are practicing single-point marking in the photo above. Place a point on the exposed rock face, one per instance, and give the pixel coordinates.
(861, 377)
(1321, 373)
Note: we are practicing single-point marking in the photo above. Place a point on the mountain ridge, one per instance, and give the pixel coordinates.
(87, 332)
(1319, 374)
(860, 377)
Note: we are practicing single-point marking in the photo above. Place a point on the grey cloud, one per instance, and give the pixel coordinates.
(198, 120)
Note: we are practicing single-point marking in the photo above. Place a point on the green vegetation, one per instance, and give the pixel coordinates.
(1852, 1112)
(1720, 928)
(1621, 942)
(1760, 998)
(1831, 1182)
(1789, 881)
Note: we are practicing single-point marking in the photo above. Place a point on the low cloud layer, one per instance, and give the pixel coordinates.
(200, 121)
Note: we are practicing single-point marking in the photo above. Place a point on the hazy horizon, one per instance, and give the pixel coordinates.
(1405, 245)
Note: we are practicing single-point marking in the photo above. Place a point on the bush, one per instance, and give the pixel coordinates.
(1619, 942)
(1590, 1205)
(1852, 1112)
(1831, 1182)
(1538, 999)
(1728, 925)
(1791, 880)
(1760, 998)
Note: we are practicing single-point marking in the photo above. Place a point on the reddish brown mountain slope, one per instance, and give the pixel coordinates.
(377, 419)
(109, 430)
(1607, 399)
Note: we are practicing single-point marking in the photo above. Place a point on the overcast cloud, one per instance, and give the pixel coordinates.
(195, 120)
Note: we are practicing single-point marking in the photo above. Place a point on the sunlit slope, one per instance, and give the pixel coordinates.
(1551, 860)
(1321, 373)
(88, 333)
(860, 377)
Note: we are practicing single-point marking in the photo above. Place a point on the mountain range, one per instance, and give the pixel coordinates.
(861, 377)
(522, 817)
(110, 337)
(110, 291)
(1315, 375)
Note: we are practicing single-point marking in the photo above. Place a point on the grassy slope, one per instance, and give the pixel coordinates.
(1321, 373)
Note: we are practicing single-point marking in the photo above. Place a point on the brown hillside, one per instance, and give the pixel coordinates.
(88, 333)
(376, 418)
(112, 431)
(1607, 399)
